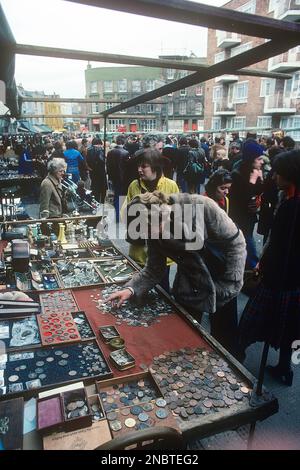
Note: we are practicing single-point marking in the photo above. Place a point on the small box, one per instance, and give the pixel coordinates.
(108, 333)
(65, 411)
(96, 408)
(122, 359)
(20, 255)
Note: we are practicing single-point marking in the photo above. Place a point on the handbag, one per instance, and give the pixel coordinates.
(194, 169)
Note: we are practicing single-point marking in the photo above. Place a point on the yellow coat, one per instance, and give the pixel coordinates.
(165, 185)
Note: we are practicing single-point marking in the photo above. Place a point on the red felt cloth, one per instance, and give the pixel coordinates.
(170, 334)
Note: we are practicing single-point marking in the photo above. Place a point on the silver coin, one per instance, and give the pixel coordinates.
(65, 356)
(162, 413)
(42, 376)
(39, 370)
(112, 416)
(40, 363)
(143, 417)
(62, 362)
(130, 422)
(50, 359)
(115, 425)
(125, 411)
(32, 375)
(161, 402)
(23, 367)
(58, 353)
(71, 406)
(13, 378)
(73, 372)
(80, 403)
(148, 407)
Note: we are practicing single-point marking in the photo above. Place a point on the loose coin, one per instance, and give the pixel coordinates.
(40, 363)
(116, 425)
(143, 417)
(71, 406)
(62, 362)
(244, 390)
(220, 373)
(136, 410)
(130, 422)
(42, 376)
(13, 378)
(112, 416)
(50, 359)
(148, 407)
(125, 411)
(58, 353)
(161, 402)
(73, 372)
(162, 413)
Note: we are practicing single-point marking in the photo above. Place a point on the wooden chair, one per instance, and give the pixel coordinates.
(147, 439)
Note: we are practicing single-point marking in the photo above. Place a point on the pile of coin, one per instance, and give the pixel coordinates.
(133, 314)
(130, 394)
(97, 412)
(83, 325)
(75, 408)
(197, 382)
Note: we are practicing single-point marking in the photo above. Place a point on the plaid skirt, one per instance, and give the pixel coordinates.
(272, 316)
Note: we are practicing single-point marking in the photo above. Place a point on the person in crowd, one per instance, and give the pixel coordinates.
(52, 200)
(96, 166)
(73, 158)
(273, 313)
(221, 160)
(151, 178)
(235, 154)
(169, 155)
(218, 187)
(245, 192)
(116, 164)
(287, 143)
(58, 150)
(181, 162)
(195, 178)
(269, 198)
(179, 226)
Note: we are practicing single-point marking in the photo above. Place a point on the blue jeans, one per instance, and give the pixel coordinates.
(252, 258)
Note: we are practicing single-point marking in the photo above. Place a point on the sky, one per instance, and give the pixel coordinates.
(56, 23)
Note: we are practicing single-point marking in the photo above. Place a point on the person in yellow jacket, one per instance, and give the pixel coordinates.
(151, 178)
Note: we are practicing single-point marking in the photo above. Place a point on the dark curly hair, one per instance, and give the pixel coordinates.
(218, 178)
(287, 165)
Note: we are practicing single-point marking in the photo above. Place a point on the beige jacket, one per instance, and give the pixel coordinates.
(51, 198)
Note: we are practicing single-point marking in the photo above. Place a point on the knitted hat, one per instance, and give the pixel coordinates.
(252, 150)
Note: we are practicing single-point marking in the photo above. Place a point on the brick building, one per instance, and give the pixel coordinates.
(241, 102)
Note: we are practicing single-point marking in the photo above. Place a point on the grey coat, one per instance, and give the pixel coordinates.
(192, 272)
(51, 198)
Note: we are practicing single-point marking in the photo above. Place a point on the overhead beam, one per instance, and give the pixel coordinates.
(198, 14)
(229, 66)
(90, 116)
(72, 100)
(28, 49)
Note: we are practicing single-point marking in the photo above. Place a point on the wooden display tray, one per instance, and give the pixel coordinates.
(58, 328)
(14, 318)
(69, 292)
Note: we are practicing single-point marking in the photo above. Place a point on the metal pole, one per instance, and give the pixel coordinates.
(262, 369)
(104, 135)
(251, 435)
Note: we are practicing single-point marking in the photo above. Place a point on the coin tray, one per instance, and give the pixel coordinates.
(130, 390)
(20, 332)
(122, 359)
(84, 327)
(108, 332)
(72, 418)
(57, 328)
(78, 273)
(29, 370)
(115, 270)
(58, 302)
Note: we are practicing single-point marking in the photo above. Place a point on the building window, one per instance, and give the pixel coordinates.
(249, 7)
(150, 108)
(183, 92)
(147, 125)
(267, 87)
(123, 111)
(108, 86)
(239, 49)
(150, 85)
(201, 125)
(290, 123)
(182, 107)
(219, 57)
(93, 87)
(199, 90)
(170, 109)
(217, 93)
(136, 86)
(137, 109)
(239, 122)
(198, 107)
(288, 84)
(95, 108)
(296, 85)
(240, 92)
(170, 74)
(114, 124)
(122, 85)
(264, 122)
(109, 106)
(183, 73)
(216, 123)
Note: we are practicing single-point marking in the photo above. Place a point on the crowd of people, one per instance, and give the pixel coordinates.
(240, 184)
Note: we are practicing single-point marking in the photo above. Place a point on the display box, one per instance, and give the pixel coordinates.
(19, 332)
(122, 359)
(84, 327)
(58, 302)
(115, 270)
(68, 411)
(57, 328)
(108, 332)
(80, 273)
(11, 424)
(96, 407)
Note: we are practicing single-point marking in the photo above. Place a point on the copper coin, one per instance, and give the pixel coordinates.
(220, 373)
(125, 411)
(115, 425)
(245, 390)
(207, 403)
(238, 395)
